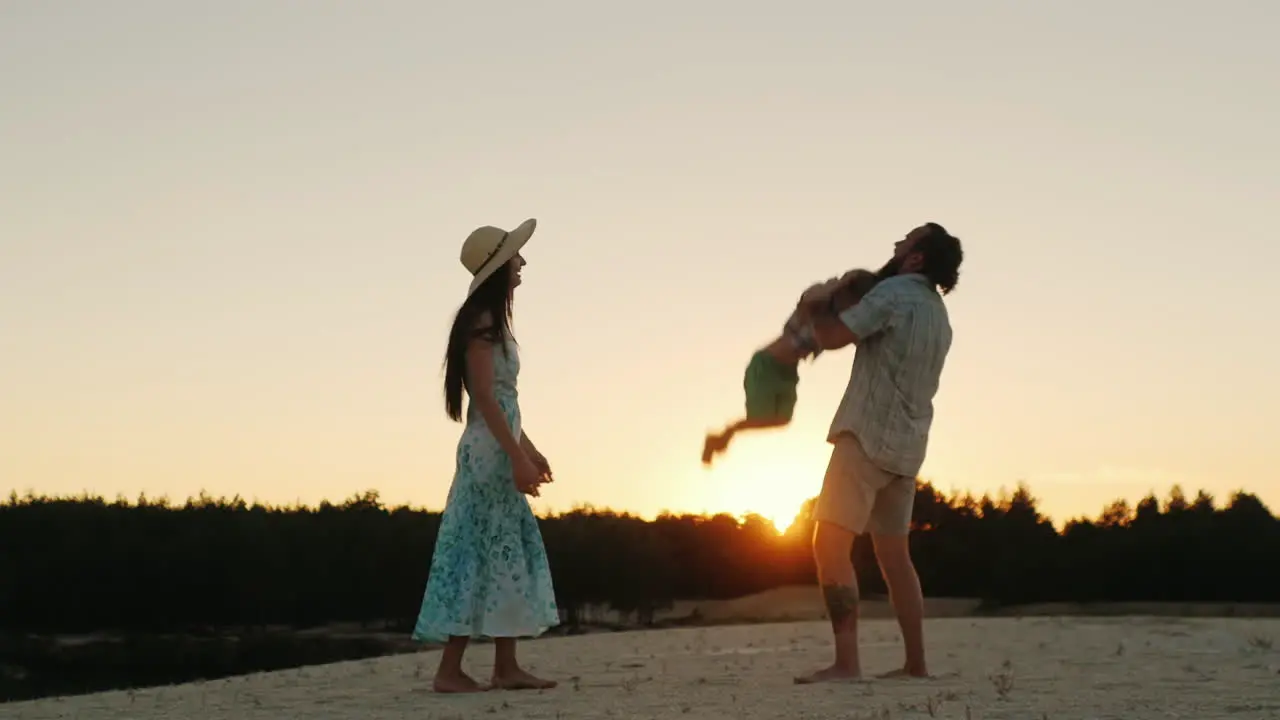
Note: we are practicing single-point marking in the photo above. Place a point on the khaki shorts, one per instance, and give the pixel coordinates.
(860, 497)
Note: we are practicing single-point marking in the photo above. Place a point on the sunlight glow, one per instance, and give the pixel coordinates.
(769, 474)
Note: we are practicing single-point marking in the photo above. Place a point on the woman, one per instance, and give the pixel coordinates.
(489, 575)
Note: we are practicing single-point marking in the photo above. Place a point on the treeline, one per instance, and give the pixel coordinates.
(81, 565)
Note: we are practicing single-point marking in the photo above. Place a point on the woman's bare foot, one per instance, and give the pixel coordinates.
(831, 674)
(456, 682)
(520, 680)
(904, 673)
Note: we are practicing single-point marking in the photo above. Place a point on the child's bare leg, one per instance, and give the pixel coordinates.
(715, 444)
(507, 673)
(449, 676)
(718, 443)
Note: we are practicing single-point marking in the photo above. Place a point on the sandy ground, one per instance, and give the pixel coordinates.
(1031, 668)
(804, 602)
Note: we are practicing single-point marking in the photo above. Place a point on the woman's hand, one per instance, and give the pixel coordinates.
(527, 475)
(544, 468)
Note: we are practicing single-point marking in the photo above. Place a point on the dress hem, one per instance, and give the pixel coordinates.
(437, 637)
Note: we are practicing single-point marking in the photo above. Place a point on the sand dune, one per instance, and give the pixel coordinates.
(1031, 668)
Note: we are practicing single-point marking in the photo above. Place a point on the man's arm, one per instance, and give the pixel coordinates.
(850, 326)
(832, 334)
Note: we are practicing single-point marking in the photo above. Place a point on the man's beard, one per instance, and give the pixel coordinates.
(890, 268)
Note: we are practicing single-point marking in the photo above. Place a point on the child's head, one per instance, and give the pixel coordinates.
(853, 285)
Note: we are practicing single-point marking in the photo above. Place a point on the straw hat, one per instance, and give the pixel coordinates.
(488, 248)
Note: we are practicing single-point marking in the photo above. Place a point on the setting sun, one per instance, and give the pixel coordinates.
(769, 474)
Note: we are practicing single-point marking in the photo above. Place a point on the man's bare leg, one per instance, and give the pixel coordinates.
(832, 549)
(507, 673)
(449, 676)
(893, 553)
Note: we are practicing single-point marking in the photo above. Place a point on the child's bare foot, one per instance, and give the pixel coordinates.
(520, 680)
(714, 444)
(456, 682)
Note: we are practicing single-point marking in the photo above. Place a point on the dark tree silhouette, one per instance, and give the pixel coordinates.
(210, 567)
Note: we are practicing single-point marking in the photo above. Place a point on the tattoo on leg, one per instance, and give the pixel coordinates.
(842, 604)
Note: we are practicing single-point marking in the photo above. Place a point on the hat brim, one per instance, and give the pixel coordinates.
(516, 240)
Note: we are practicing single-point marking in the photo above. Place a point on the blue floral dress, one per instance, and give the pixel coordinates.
(489, 574)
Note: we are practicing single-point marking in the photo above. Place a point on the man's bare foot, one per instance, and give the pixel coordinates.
(905, 673)
(521, 680)
(831, 674)
(458, 682)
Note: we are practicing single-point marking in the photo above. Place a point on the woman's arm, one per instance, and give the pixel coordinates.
(480, 387)
(527, 445)
(535, 456)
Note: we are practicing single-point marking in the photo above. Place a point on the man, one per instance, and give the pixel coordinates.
(772, 375)
(880, 433)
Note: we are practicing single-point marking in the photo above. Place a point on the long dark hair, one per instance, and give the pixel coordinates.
(492, 298)
(942, 257)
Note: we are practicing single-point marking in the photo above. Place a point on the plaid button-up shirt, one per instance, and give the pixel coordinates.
(904, 335)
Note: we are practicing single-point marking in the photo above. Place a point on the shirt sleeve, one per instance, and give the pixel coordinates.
(873, 313)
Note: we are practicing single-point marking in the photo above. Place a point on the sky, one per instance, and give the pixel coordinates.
(229, 238)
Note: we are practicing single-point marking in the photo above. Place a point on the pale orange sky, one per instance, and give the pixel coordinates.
(229, 238)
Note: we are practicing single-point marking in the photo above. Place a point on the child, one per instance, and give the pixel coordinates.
(771, 377)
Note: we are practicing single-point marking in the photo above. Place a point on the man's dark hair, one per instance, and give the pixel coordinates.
(942, 257)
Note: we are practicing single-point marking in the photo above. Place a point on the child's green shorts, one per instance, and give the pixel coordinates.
(771, 388)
